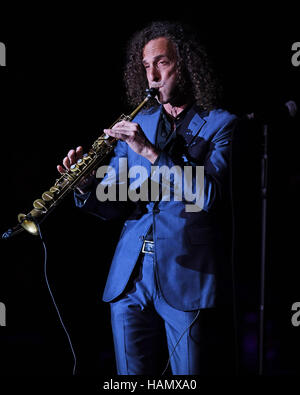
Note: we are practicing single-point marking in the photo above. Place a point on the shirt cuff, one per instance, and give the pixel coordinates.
(81, 198)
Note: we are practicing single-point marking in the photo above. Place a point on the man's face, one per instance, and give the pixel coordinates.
(159, 60)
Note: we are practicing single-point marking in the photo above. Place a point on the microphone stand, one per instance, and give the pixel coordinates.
(264, 191)
(292, 107)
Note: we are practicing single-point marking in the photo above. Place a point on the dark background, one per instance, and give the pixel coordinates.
(61, 87)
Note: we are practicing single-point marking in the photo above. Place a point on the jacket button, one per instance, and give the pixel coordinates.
(156, 210)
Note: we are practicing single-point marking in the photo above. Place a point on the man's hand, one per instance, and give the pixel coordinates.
(133, 135)
(69, 160)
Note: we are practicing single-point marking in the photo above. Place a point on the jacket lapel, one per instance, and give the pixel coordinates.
(149, 124)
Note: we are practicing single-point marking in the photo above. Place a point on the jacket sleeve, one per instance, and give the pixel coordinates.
(104, 209)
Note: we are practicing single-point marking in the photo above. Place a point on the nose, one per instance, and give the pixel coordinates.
(153, 74)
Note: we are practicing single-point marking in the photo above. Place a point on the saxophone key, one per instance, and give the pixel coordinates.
(40, 204)
(35, 213)
(47, 196)
(54, 189)
(80, 163)
(74, 168)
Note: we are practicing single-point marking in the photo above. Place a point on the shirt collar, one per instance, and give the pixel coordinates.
(180, 116)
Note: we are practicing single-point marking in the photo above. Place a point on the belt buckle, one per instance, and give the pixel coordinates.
(144, 244)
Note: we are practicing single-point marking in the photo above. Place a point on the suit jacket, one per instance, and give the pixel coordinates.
(189, 250)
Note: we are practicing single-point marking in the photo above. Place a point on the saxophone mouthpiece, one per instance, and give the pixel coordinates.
(151, 92)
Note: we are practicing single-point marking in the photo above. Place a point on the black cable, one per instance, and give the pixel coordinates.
(53, 300)
(168, 363)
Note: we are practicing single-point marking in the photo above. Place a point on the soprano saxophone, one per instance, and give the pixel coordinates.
(68, 181)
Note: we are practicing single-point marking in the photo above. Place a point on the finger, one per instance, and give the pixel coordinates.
(72, 156)
(79, 152)
(131, 130)
(120, 134)
(122, 124)
(61, 169)
(66, 163)
(122, 131)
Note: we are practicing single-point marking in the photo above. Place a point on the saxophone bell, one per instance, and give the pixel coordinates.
(27, 222)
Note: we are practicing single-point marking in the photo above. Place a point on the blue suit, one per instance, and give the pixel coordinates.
(188, 246)
(175, 289)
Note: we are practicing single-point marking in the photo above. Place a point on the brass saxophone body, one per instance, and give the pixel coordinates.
(68, 181)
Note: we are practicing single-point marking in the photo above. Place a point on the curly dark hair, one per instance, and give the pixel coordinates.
(195, 72)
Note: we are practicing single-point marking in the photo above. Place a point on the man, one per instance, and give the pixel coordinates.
(167, 278)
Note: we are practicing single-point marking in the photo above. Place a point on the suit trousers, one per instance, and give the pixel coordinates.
(148, 332)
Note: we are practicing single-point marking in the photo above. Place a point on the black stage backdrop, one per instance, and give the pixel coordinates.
(61, 86)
